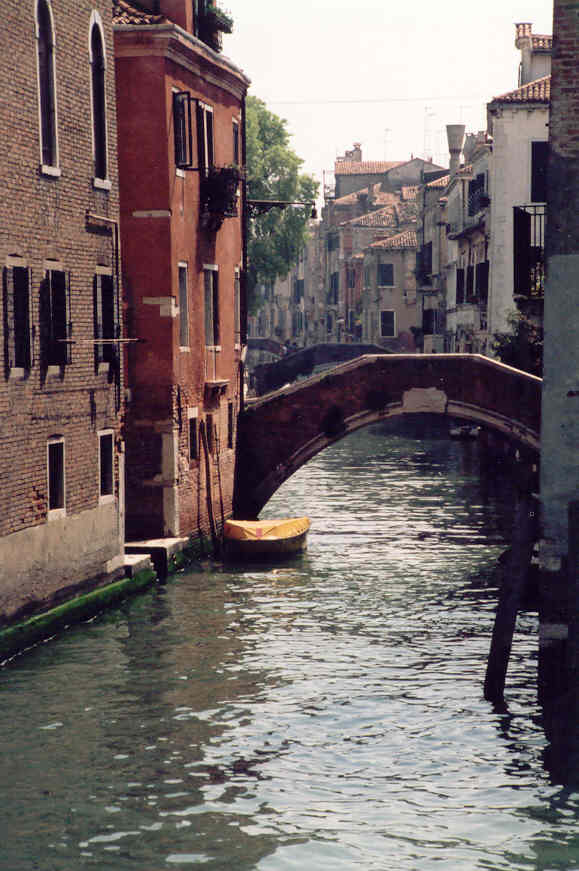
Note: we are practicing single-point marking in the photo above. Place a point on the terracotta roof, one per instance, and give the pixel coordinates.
(380, 218)
(439, 182)
(365, 167)
(407, 239)
(538, 91)
(409, 192)
(132, 13)
(542, 41)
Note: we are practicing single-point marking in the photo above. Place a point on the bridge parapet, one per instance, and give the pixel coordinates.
(280, 432)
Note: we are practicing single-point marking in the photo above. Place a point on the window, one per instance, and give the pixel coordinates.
(429, 321)
(298, 289)
(469, 283)
(55, 461)
(105, 318)
(334, 288)
(55, 325)
(387, 323)
(17, 340)
(482, 281)
(385, 275)
(182, 129)
(459, 286)
(237, 307)
(183, 306)
(236, 155)
(210, 432)
(539, 156)
(205, 136)
(99, 127)
(106, 464)
(46, 84)
(211, 306)
(193, 439)
(230, 421)
(476, 189)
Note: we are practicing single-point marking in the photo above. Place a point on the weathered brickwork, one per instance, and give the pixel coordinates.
(172, 488)
(44, 226)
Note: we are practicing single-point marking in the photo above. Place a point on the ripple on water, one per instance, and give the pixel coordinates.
(325, 714)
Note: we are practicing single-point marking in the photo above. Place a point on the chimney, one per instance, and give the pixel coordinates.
(523, 30)
(455, 136)
(357, 152)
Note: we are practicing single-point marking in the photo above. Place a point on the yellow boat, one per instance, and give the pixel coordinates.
(257, 539)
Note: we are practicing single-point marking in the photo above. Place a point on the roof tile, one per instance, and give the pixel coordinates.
(407, 239)
(125, 12)
(365, 167)
(538, 91)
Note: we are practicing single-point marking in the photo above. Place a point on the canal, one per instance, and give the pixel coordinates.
(326, 714)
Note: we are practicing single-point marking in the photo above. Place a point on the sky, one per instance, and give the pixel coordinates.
(387, 75)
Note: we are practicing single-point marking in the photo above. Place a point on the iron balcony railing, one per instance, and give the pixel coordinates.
(529, 250)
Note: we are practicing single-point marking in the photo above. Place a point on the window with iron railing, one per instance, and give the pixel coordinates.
(477, 197)
(529, 250)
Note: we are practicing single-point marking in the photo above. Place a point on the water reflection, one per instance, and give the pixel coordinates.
(327, 713)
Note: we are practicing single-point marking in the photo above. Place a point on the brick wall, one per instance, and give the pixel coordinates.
(43, 222)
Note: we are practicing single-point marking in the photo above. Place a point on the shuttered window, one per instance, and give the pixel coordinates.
(105, 318)
(55, 323)
(17, 309)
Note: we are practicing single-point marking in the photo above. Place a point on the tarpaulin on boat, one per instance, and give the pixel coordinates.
(243, 530)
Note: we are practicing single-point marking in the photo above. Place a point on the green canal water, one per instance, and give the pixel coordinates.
(325, 714)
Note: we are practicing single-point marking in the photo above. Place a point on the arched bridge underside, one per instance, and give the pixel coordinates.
(280, 432)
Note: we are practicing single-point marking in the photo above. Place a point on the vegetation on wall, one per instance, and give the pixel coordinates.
(522, 346)
(277, 236)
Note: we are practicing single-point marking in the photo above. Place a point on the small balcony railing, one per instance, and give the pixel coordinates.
(529, 250)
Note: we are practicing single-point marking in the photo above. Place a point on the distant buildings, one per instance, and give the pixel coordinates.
(475, 231)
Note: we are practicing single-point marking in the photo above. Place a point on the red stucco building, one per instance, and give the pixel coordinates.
(181, 116)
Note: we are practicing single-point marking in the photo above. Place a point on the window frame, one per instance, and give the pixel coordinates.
(205, 137)
(182, 122)
(211, 306)
(59, 510)
(18, 329)
(193, 429)
(47, 89)
(105, 317)
(184, 325)
(108, 495)
(379, 282)
(383, 312)
(98, 103)
(49, 341)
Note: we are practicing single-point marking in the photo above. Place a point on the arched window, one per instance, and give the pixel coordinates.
(46, 84)
(98, 102)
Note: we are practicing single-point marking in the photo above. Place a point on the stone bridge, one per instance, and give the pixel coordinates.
(266, 377)
(280, 432)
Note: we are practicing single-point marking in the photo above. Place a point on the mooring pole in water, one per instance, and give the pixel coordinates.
(510, 598)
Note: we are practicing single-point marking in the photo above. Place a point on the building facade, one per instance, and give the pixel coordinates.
(61, 391)
(181, 120)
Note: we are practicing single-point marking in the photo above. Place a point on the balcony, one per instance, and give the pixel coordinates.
(219, 195)
(529, 252)
(211, 23)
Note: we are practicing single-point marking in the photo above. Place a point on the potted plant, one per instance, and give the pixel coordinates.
(219, 195)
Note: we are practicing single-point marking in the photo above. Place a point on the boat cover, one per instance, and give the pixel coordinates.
(243, 530)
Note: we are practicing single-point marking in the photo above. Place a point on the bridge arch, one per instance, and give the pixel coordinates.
(280, 432)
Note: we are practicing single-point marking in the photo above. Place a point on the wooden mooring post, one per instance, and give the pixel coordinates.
(511, 596)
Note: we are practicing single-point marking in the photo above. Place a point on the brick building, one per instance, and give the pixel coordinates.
(61, 523)
(181, 108)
